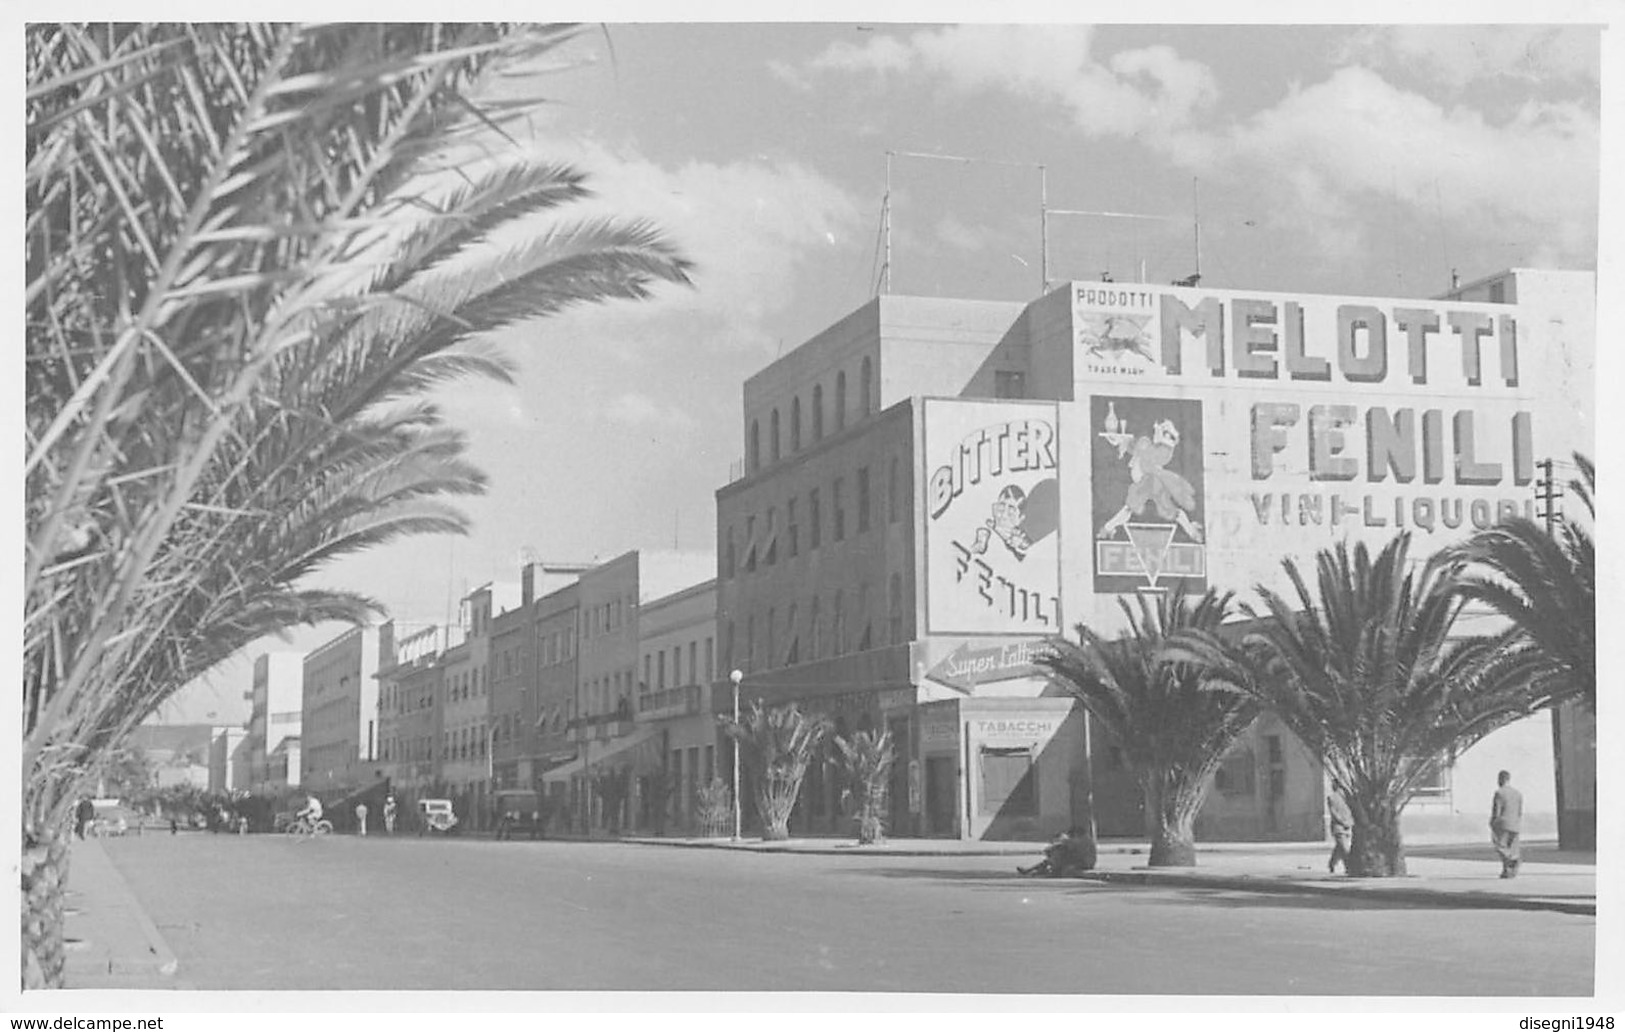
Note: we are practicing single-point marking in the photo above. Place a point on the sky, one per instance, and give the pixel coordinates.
(1333, 159)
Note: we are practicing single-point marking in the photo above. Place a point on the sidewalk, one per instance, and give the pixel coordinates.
(1565, 883)
(112, 943)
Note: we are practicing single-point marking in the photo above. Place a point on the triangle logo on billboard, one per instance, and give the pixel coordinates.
(1150, 543)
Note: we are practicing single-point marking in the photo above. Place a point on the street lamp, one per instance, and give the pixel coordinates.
(736, 676)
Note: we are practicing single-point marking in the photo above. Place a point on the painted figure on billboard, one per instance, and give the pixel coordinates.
(1148, 505)
(1021, 519)
(994, 505)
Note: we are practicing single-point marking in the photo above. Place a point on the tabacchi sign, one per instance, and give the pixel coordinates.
(1325, 416)
(992, 516)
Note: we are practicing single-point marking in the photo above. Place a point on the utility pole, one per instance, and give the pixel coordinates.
(1548, 496)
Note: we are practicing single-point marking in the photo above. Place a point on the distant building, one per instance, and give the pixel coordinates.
(339, 713)
(225, 760)
(275, 711)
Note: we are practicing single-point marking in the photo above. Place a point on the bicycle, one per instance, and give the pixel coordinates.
(303, 827)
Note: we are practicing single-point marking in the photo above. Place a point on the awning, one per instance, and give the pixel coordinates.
(599, 755)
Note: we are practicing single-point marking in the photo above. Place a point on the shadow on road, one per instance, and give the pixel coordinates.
(1537, 853)
(1223, 897)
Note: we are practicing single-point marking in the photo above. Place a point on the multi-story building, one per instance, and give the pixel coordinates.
(410, 686)
(677, 637)
(227, 753)
(934, 486)
(339, 713)
(275, 700)
(614, 748)
(556, 619)
(521, 650)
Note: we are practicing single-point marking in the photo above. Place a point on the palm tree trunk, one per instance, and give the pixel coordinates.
(44, 881)
(1170, 821)
(1377, 849)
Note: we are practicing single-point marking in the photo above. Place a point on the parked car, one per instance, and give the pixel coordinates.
(436, 815)
(520, 812)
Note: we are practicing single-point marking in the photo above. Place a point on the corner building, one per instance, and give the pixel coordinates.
(933, 486)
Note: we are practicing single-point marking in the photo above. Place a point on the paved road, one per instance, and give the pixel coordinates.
(263, 912)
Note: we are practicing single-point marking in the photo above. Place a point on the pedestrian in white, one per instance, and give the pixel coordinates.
(361, 817)
(389, 815)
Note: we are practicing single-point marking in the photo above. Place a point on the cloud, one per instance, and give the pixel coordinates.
(1152, 90)
(1356, 135)
(1458, 56)
(639, 410)
(751, 228)
(958, 235)
(1331, 147)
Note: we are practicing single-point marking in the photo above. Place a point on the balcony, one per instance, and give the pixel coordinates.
(602, 725)
(669, 702)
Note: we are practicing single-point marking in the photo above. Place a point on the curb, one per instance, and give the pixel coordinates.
(1463, 900)
(166, 961)
(1468, 900)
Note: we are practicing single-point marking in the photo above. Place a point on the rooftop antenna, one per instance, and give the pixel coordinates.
(1196, 224)
(1043, 200)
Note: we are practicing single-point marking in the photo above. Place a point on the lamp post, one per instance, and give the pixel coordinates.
(736, 676)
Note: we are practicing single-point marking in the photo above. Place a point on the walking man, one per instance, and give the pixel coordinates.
(389, 815)
(1342, 822)
(361, 818)
(1506, 820)
(84, 815)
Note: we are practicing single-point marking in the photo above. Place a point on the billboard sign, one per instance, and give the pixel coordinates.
(1223, 418)
(1146, 461)
(992, 517)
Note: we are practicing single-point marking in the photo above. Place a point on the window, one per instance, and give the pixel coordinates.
(770, 656)
(863, 499)
(772, 555)
(1008, 785)
(648, 681)
(792, 532)
(895, 610)
(1009, 383)
(750, 544)
(838, 639)
(814, 524)
(818, 412)
(792, 654)
(1272, 746)
(815, 633)
(710, 662)
(795, 425)
(1235, 775)
(693, 671)
(838, 511)
(755, 446)
(866, 384)
(840, 401)
(773, 436)
(892, 488)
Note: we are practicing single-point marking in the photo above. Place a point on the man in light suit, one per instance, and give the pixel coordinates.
(1506, 820)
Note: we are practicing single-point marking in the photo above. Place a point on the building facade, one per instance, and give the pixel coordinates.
(677, 639)
(275, 712)
(339, 713)
(934, 486)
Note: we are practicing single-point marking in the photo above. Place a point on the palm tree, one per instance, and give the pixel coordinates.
(243, 274)
(1366, 673)
(866, 761)
(775, 746)
(1546, 585)
(1174, 724)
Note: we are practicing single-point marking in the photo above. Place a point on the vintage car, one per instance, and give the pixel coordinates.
(520, 812)
(436, 815)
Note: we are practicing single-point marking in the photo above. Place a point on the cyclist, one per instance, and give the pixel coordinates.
(311, 813)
